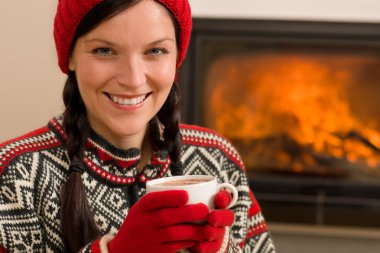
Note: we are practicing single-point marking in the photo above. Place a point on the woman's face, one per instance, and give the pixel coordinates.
(125, 69)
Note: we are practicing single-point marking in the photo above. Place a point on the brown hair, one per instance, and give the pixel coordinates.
(77, 221)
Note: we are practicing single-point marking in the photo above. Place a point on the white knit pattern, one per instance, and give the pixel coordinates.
(31, 179)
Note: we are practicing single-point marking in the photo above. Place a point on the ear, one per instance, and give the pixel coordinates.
(72, 64)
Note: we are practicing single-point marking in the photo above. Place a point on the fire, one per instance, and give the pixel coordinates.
(298, 111)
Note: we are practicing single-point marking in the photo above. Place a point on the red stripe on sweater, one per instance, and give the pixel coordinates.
(256, 230)
(95, 247)
(205, 142)
(255, 207)
(21, 146)
(252, 232)
(253, 211)
(39, 131)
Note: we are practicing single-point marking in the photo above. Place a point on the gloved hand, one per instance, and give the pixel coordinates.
(159, 223)
(215, 230)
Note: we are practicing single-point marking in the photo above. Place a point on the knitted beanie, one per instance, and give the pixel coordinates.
(70, 13)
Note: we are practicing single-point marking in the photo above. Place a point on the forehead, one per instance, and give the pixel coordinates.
(146, 16)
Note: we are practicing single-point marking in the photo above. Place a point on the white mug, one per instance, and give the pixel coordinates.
(201, 188)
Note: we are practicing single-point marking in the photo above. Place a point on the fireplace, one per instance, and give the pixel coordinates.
(300, 101)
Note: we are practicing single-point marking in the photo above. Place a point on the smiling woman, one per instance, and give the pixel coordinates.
(79, 183)
(124, 75)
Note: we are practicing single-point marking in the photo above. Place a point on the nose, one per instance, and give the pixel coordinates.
(131, 71)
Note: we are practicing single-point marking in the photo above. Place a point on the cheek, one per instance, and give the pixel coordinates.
(91, 75)
(164, 74)
(88, 69)
(87, 85)
(90, 83)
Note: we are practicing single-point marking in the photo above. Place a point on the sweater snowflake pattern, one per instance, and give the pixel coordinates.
(34, 167)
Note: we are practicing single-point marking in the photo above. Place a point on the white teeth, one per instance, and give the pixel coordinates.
(127, 101)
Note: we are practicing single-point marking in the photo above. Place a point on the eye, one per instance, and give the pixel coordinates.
(157, 51)
(102, 51)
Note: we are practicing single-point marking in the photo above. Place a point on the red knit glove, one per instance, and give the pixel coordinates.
(222, 199)
(159, 223)
(218, 220)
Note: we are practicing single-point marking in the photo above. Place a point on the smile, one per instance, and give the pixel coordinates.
(128, 101)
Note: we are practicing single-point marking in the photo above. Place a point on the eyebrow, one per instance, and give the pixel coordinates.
(99, 40)
(161, 40)
(113, 44)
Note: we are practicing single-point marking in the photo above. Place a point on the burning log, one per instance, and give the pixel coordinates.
(282, 154)
(357, 136)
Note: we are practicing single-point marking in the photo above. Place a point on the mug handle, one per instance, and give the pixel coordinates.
(233, 191)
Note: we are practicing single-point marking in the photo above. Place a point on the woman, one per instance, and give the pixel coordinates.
(78, 184)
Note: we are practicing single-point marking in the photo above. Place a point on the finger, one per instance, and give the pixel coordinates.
(157, 200)
(221, 218)
(182, 214)
(182, 232)
(176, 246)
(212, 233)
(204, 247)
(222, 199)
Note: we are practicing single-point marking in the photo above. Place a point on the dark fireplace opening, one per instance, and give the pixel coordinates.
(299, 100)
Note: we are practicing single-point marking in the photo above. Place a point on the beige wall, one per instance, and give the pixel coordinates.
(31, 83)
(333, 10)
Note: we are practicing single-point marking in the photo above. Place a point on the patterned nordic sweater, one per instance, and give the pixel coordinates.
(34, 167)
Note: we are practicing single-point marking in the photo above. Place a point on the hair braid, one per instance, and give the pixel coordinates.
(78, 225)
(170, 116)
(74, 118)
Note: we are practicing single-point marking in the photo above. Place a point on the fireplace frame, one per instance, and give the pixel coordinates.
(284, 198)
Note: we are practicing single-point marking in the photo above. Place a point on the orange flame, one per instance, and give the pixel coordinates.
(320, 102)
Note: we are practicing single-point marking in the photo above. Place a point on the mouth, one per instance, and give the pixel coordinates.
(130, 101)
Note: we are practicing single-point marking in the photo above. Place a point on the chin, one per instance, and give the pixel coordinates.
(128, 132)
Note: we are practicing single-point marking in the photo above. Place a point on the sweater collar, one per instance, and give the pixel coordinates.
(113, 165)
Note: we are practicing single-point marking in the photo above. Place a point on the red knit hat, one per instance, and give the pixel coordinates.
(70, 13)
